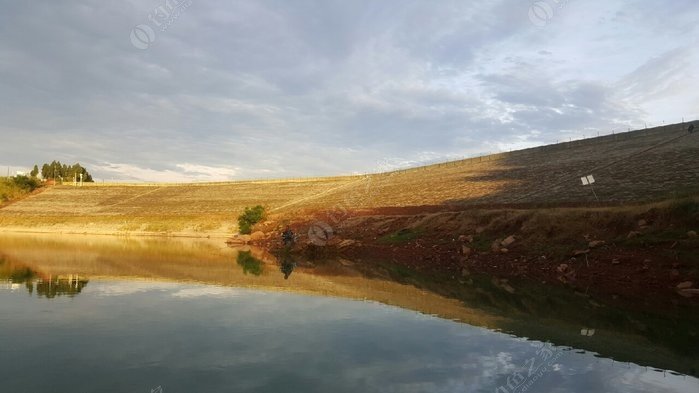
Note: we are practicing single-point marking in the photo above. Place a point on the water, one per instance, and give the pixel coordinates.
(88, 314)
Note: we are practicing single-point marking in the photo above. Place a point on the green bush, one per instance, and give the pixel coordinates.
(249, 218)
(16, 187)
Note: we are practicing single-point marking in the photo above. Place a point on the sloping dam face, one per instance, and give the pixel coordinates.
(631, 167)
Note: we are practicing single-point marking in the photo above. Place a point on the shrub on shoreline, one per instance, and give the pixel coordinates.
(249, 218)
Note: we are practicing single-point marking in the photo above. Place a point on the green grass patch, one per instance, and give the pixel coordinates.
(481, 243)
(401, 237)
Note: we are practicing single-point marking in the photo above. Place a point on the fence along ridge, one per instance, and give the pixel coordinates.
(595, 140)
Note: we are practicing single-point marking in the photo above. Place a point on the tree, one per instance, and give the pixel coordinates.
(250, 217)
(45, 171)
(34, 171)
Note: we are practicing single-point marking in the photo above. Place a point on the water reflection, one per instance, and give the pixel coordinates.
(287, 265)
(47, 286)
(665, 340)
(249, 263)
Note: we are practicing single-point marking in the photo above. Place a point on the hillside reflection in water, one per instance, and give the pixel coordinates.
(189, 297)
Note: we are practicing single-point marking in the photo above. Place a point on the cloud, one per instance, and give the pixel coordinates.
(252, 89)
(186, 173)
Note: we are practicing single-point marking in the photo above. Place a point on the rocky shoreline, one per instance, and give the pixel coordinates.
(645, 255)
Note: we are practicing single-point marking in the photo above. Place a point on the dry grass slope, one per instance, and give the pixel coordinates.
(638, 166)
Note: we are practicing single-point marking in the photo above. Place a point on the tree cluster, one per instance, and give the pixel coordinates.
(56, 170)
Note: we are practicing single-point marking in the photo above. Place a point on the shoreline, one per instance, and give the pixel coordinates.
(206, 235)
(647, 253)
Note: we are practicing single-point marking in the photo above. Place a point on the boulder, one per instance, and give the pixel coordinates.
(495, 246)
(255, 236)
(596, 243)
(466, 250)
(689, 292)
(685, 285)
(507, 287)
(692, 234)
(632, 234)
(235, 240)
(508, 240)
(504, 250)
(580, 252)
(642, 223)
(466, 238)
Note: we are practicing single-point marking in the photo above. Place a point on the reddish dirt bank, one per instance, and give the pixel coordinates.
(644, 253)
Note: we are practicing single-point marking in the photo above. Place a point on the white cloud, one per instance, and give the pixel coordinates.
(186, 173)
(213, 292)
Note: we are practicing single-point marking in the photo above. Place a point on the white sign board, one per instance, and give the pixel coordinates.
(586, 180)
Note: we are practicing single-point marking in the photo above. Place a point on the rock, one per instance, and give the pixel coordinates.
(685, 285)
(255, 236)
(692, 234)
(580, 252)
(466, 250)
(508, 240)
(596, 243)
(689, 292)
(495, 246)
(504, 250)
(642, 223)
(615, 261)
(632, 234)
(466, 238)
(346, 243)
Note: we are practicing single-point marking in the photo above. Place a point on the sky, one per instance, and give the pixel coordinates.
(197, 90)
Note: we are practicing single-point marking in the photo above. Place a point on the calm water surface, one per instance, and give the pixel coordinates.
(117, 315)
